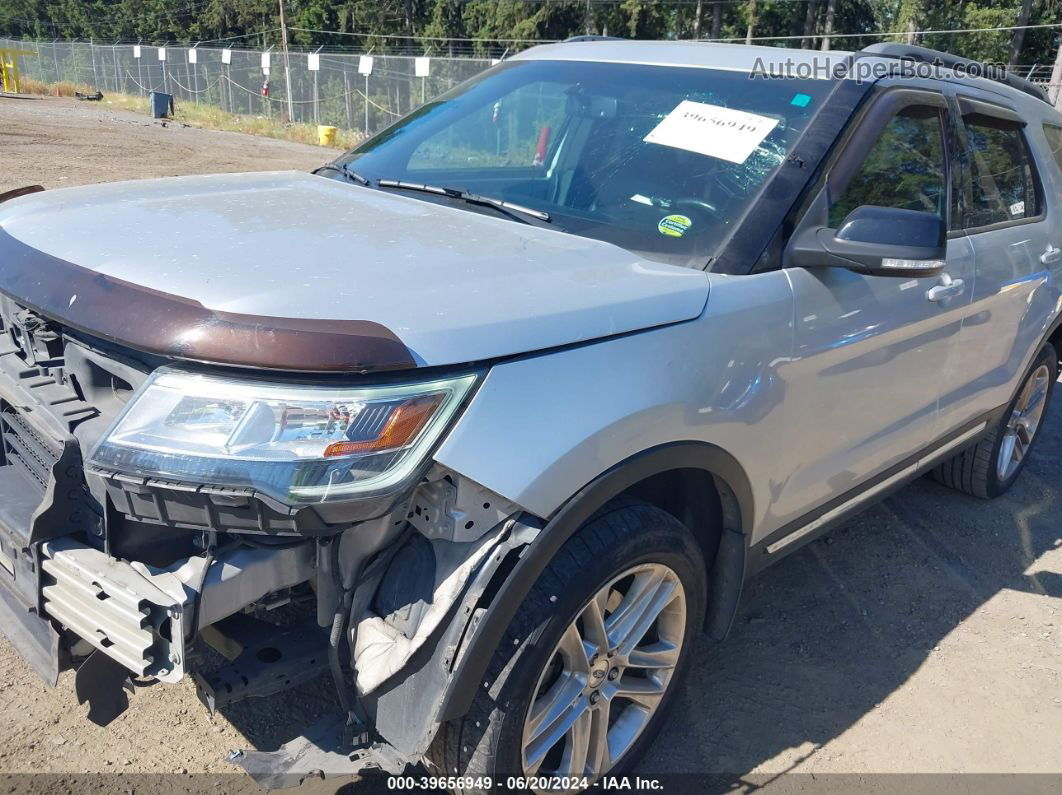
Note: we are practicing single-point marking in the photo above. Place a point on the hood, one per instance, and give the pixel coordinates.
(254, 256)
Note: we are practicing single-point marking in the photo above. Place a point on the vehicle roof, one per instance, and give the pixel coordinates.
(707, 55)
(735, 57)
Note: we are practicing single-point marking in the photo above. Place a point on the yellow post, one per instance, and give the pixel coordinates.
(326, 135)
(9, 68)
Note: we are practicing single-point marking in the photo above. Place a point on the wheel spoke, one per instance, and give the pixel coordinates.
(599, 759)
(657, 655)
(577, 748)
(552, 715)
(1035, 398)
(595, 638)
(644, 691)
(1006, 454)
(650, 593)
(1019, 449)
(1024, 432)
(573, 650)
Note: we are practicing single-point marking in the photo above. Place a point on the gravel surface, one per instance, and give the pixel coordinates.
(924, 636)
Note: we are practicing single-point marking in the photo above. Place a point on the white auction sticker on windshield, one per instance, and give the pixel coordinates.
(712, 130)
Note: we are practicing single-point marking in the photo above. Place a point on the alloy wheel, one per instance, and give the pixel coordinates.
(1023, 423)
(607, 675)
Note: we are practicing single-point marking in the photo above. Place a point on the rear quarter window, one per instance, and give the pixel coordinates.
(1053, 133)
(1003, 180)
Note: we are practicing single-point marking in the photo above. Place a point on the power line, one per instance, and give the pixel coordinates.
(423, 38)
(892, 33)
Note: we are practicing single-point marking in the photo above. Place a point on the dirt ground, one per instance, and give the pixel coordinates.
(923, 637)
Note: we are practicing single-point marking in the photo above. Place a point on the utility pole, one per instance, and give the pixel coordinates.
(1054, 88)
(287, 66)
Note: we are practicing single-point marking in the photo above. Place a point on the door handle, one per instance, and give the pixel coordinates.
(1051, 255)
(948, 288)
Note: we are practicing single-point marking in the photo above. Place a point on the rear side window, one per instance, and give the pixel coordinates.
(1054, 142)
(1003, 183)
(904, 168)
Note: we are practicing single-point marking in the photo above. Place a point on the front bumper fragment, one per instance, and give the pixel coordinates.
(33, 637)
(132, 614)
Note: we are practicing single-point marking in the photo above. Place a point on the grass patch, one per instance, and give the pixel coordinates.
(27, 85)
(208, 117)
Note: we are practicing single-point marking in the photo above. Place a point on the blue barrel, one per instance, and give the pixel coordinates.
(160, 104)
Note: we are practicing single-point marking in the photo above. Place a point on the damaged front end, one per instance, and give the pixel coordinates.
(134, 565)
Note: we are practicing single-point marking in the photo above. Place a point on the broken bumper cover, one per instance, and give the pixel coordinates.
(33, 637)
(317, 754)
(138, 615)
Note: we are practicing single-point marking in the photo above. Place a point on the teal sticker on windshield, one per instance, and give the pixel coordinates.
(674, 225)
(800, 100)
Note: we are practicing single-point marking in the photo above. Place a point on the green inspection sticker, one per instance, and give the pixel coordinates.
(674, 225)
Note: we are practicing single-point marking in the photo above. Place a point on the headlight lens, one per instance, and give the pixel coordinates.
(299, 444)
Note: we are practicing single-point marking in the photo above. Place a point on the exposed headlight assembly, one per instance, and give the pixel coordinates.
(298, 444)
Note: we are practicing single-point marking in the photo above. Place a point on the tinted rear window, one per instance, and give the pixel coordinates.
(1004, 184)
(1054, 142)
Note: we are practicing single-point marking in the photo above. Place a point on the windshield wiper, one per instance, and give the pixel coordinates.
(516, 211)
(345, 170)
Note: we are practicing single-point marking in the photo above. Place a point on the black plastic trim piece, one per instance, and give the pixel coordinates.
(23, 191)
(754, 232)
(912, 52)
(969, 106)
(563, 525)
(760, 558)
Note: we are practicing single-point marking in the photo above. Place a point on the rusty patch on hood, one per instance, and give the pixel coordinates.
(169, 325)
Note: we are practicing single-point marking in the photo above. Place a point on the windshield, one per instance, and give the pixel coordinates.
(660, 160)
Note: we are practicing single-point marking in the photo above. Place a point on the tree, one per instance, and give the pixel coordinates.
(1019, 33)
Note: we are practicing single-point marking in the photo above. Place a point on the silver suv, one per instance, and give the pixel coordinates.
(487, 419)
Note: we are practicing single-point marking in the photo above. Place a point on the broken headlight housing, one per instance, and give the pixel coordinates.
(299, 444)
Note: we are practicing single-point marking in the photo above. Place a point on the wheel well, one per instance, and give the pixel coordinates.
(698, 499)
(1056, 340)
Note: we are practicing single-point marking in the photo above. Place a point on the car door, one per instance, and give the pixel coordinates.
(1006, 219)
(871, 353)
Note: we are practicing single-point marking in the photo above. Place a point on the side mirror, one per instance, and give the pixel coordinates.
(879, 241)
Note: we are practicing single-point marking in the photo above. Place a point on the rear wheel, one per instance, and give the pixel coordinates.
(989, 468)
(591, 659)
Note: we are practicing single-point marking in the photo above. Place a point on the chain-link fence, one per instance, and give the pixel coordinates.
(350, 90)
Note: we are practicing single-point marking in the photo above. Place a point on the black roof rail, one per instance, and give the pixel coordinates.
(913, 52)
(593, 38)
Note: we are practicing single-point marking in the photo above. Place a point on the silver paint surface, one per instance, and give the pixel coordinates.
(454, 285)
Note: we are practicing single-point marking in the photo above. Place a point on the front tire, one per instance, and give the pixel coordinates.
(989, 468)
(592, 658)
